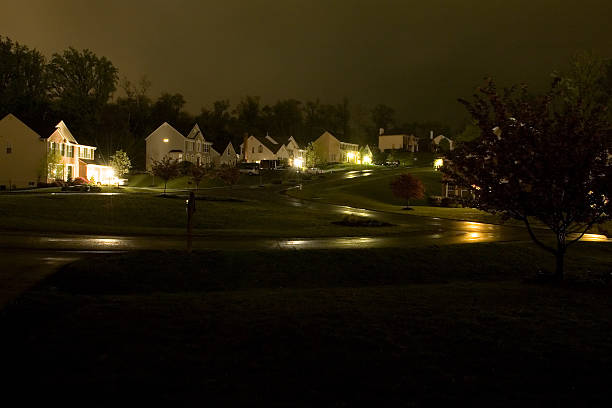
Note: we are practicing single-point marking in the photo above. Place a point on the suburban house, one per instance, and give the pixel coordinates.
(256, 150)
(22, 155)
(365, 155)
(397, 141)
(296, 155)
(332, 150)
(23, 159)
(227, 157)
(166, 141)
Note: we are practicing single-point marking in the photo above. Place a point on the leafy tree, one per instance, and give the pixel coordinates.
(166, 169)
(120, 162)
(408, 187)
(24, 84)
(50, 166)
(227, 174)
(197, 173)
(538, 158)
(312, 158)
(81, 85)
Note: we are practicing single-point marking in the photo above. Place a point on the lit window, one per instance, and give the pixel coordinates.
(166, 140)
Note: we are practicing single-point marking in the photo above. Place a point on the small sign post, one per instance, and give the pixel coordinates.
(191, 209)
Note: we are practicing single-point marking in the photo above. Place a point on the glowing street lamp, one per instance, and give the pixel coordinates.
(438, 163)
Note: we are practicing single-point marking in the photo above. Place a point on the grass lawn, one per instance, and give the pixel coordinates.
(231, 212)
(370, 189)
(373, 327)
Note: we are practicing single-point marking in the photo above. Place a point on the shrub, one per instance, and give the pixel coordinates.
(79, 181)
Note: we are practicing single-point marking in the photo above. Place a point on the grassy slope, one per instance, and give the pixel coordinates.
(332, 328)
(373, 192)
(143, 213)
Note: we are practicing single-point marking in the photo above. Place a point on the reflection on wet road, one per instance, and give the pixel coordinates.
(357, 173)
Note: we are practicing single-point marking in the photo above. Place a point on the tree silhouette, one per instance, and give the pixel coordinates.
(538, 157)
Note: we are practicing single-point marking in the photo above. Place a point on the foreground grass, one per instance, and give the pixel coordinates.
(320, 328)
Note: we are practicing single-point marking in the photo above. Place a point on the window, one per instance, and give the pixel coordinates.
(9, 149)
(206, 148)
(62, 149)
(260, 149)
(70, 151)
(252, 150)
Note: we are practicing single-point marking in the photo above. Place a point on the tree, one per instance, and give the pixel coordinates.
(228, 174)
(538, 158)
(197, 173)
(312, 157)
(81, 85)
(408, 187)
(24, 84)
(50, 167)
(120, 162)
(166, 169)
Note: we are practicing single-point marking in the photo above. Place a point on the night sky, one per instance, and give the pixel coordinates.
(417, 56)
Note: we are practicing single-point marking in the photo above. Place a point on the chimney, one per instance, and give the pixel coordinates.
(381, 131)
(244, 146)
(431, 134)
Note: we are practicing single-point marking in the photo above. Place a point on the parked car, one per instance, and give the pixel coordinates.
(252, 169)
(393, 163)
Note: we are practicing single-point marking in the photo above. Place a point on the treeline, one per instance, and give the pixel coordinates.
(78, 87)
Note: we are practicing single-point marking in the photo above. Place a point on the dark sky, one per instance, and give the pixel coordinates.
(417, 56)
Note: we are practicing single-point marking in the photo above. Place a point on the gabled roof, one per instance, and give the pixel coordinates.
(195, 131)
(274, 148)
(271, 139)
(10, 116)
(63, 131)
(291, 139)
(167, 127)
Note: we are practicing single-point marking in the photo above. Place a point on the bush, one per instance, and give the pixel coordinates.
(185, 168)
(79, 181)
(434, 201)
(450, 202)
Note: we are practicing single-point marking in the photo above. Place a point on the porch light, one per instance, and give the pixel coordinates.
(438, 163)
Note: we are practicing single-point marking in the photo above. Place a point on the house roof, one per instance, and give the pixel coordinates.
(274, 148)
(165, 126)
(10, 116)
(97, 161)
(65, 134)
(195, 131)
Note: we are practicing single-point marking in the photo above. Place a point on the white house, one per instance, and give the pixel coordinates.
(23, 158)
(397, 141)
(227, 157)
(254, 150)
(332, 150)
(166, 141)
